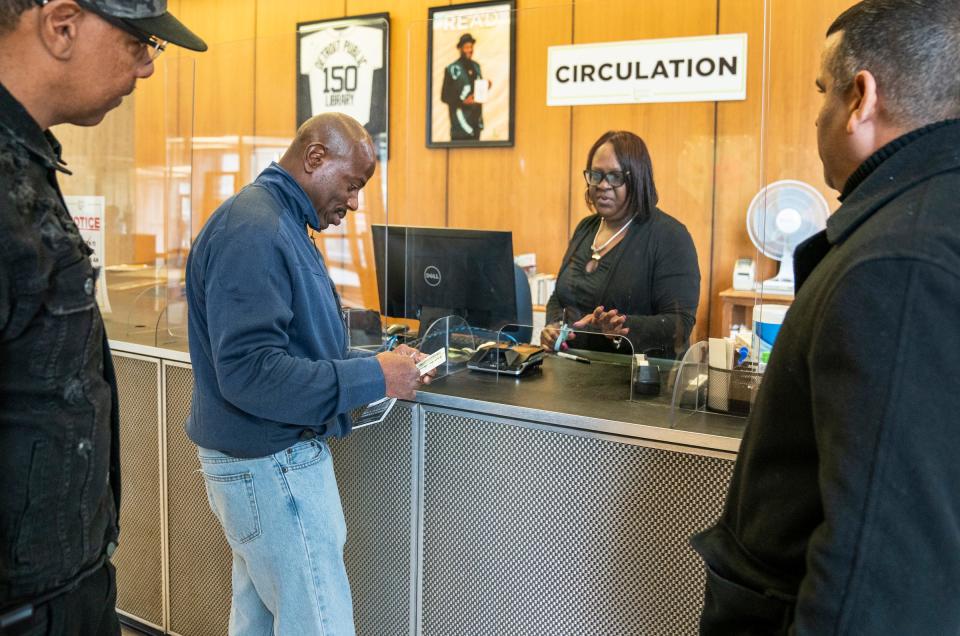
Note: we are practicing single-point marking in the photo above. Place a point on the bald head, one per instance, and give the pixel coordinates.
(332, 157)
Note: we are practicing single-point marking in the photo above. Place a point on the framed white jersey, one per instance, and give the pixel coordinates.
(342, 66)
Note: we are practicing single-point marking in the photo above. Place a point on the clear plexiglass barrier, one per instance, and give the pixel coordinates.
(501, 130)
(130, 194)
(484, 119)
(455, 337)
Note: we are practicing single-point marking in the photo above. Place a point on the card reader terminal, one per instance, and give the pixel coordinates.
(515, 360)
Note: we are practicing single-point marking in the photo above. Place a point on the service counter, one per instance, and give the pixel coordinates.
(584, 397)
(490, 505)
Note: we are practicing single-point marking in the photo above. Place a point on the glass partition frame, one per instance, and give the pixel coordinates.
(191, 150)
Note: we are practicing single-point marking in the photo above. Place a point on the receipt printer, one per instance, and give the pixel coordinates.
(512, 360)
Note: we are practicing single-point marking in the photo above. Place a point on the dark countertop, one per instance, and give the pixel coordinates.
(564, 393)
(594, 397)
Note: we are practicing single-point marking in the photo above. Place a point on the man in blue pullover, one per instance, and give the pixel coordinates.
(274, 377)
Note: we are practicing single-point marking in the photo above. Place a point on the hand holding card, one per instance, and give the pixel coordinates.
(431, 362)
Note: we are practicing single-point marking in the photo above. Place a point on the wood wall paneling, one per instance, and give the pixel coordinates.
(796, 36)
(223, 99)
(102, 162)
(219, 21)
(522, 189)
(746, 161)
(418, 203)
(419, 178)
(276, 56)
(708, 158)
(738, 154)
(416, 175)
(182, 212)
(797, 33)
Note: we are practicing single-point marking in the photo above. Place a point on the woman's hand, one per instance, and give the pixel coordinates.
(549, 335)
(607, 322)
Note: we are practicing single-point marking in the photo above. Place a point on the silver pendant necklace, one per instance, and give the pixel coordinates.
(593, 246)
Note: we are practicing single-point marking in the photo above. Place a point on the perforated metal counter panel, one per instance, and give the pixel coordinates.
(138, 557)
(373, 474)
(531, 531)
(200, 558)
(459, 523)
(373, 468)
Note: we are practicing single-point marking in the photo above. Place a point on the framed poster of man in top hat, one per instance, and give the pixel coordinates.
(470, 75)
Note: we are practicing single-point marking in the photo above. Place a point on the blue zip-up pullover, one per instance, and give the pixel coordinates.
(267, 339)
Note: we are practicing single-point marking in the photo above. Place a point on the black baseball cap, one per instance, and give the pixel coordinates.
(145, 18)
(466, 38)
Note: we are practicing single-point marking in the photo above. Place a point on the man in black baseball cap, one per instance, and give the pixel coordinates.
(61, 61)
(145, 18)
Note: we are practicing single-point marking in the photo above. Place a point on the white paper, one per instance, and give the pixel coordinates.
(375, 412)
(481, 90)
(717, 348)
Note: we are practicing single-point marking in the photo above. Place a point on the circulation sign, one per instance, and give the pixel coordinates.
(697, 69)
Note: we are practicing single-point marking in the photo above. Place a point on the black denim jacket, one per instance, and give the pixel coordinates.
(59, 453)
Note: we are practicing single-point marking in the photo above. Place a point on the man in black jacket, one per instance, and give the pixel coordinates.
(457, 92)
(843, 515)
(61, 61)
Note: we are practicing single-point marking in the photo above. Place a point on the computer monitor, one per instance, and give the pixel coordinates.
(425, 273)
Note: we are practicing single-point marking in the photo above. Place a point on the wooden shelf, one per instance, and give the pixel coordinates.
(736, 306)
(754, 295)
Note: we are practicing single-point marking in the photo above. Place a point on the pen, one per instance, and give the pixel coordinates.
(564, 354)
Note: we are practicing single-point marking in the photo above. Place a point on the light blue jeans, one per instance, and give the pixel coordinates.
(284, 522)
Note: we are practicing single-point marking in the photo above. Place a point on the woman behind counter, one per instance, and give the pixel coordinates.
(630, 269)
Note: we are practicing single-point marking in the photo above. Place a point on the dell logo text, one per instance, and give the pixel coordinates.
(431, 275)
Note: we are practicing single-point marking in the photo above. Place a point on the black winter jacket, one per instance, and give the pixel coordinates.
(843, 515)
(59, 457)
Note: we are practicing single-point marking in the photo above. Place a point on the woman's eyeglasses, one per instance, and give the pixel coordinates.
(615, 178)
